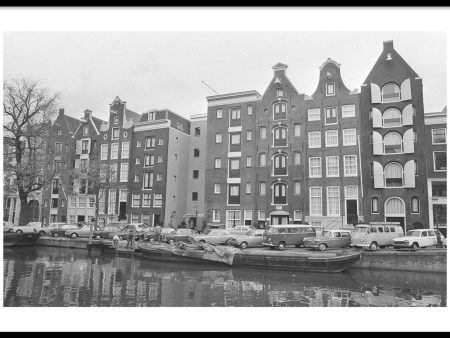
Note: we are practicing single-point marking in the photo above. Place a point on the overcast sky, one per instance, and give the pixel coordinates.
(153, 70)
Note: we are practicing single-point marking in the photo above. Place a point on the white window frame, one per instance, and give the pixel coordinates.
(157, 201)
(338, 197)
(328, 166)
(325, 115)
(318, 196)
(112, 133)
(216, 216)
(262, 163)
(219, 113)
(432, 136)
(434, 161)
(353, 134)
(125, 151)
(248, 161)
(297, 188)
(314, 136)
(216, 188)
(310, 160)
(348, 110)
(114, 151)
(249, 135)
(135, 198)
(218, 137)
(346, 174)
(336, 135)
(124, 170)
(146, 200)
(262, 191)
(248, 188)
(327, 93)
(314, 114)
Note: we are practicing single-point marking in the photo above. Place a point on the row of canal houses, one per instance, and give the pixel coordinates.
(333, 158)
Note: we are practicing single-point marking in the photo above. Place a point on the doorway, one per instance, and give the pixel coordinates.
(352, 211)
(122, 211)
(157, 219)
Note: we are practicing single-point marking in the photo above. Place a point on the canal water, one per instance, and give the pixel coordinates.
(57, 277)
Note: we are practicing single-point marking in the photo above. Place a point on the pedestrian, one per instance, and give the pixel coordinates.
(116, 240)
(158, 230)
(131, 235)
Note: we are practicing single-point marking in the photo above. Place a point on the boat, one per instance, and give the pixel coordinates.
(294, 260)
(19, 239)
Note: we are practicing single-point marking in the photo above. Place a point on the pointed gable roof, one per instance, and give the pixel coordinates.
(280, 77)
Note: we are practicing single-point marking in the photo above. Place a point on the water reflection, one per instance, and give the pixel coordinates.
(61, 277)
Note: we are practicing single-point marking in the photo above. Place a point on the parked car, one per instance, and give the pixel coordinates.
(239, 230)
(75, 231)
(61, 231)
(8, 226)
(329, 239)
(250, 239)
(416, 238)
(213, 236)
(177, 235)
(109, 231)
(376, 234)
(30, 227)
(279, 236)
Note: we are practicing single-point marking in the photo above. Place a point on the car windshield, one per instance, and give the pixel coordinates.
(361, 230)
(413, 233)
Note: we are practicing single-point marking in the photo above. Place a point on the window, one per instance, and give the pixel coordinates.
(279, 164)
(249, 161)
(439, 189)
(196, 152)
(195, 174)
(233, 218)
(280, 137)
(249, 135)
(197, 131)
(249, 110)
(439, 135)
(101, 201)
(159, 177)
(262, 188)
(216, 188)
(218, 113)
(235, 138)
(248, 216)
(393, 143)
(262, 133)
(54, 203)
(314, 139)
(279, 92)
(440, 160)
(124, 172)
(392, 118)
(81, 202)
(314, 114)
(394, 206)
(85, 130)
(297, 188)
(414, 205)
(248, 188)
(234, 194)
(137, 160)
(73, 202)
(85, 146)
(217, 163)
(349, 137)
(297, 158)
(158, 200)
(315, 201)
(136, 178)
(350, 165)
(113, 172)
(331, 138)
(333, 201)
(150, 142)
(330, 89)
(150, 116)
(59, 132)
(315, 167)
(146, 199)
(195, 196)
(235, 113)
(297, 215)
(115, 133)
(148, 180)
(332, 166)
(58, 148)
(138, 144)
(104, 151)
(125, 150)
(393, 173)
(348, 111)
(83, 165)
(160, 141)
(216, 215)
(218, 138)
(297, 127)
(116, 119)
(149, 160)
(262, 159)
(261, 215)
(331, 115)
(114, 151)
(279, 110)
(390, 93)
(279, 193)
(136, 201)
(112, 202)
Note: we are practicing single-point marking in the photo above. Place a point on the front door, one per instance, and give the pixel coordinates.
(123, 211)
(352, 211)
(397, 219)
(279, 219)
(156, 219)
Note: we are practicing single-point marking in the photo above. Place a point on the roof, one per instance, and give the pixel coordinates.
(72, 123)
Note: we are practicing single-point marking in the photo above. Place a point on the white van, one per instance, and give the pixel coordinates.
(376, 234)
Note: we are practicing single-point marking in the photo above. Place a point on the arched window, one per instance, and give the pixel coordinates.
(375, 209)
(394, 207)
(393, 174)
(279, 193)
(280, 137)
(393, 143)
(280, 164)
(415, 205)
(279, 111)
(390, 93)
(392, 118)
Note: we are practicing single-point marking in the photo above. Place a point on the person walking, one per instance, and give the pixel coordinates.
(158, 230)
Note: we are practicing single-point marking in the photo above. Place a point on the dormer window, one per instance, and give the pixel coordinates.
(116, 120)
(85, 130)
(390, 93)
(151, 116)
(330, 90)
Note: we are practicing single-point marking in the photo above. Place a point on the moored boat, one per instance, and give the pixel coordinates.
(19, 239)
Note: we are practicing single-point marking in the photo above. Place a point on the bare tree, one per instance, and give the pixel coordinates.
(28, 110)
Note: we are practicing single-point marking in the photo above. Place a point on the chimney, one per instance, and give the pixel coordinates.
(61, 111)
(279, 68)
(388, 45)
(87, 114)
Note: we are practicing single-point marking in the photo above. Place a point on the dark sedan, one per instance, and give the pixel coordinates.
(178, 235)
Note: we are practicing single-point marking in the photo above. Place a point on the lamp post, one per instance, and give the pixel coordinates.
(436, 223)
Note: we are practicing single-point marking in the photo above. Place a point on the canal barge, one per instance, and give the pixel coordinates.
(289, 260)
(19, 239)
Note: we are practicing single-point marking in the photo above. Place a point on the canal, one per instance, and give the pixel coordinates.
(56, 277)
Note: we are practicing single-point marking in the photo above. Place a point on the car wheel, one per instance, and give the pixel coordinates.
(373, 246)
(322, 246)
(74, 235)
(244, 245)
(19, 232)
(281, 246)
(414, 246)
(171, 241)
(41, 233)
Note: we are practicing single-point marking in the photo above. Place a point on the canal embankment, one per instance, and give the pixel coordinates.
(430, 260)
